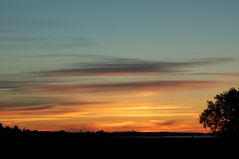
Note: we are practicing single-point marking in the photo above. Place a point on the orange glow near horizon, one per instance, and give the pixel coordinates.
(148, 113)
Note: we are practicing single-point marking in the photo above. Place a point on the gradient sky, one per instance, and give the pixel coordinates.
(144, 65)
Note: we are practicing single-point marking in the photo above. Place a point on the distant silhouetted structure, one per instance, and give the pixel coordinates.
(222, 116)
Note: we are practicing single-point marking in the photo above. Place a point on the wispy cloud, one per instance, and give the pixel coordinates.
(13, 84)
(21, 39)
(21, 84)
(54, 41)
(128, 86)
(27, 105)
(164, 123)
(65, 55)
(132, 124)
(25, 25)
(124, 66)
(43, 42)
(227, 74)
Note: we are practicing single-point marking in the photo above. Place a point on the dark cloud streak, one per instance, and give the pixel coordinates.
(122, 66)
(128, 86)
(44, 104)
(24, 105)
(228, 74)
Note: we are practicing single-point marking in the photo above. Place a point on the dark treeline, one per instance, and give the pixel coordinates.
(120, 144)
(7, 131)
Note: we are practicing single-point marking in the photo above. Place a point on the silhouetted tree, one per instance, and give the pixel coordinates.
(222, 116)
(1, 128)
(16, 129)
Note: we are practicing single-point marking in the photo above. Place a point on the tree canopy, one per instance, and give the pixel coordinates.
(222, 115)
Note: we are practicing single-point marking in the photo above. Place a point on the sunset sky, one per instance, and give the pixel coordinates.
(115, 65)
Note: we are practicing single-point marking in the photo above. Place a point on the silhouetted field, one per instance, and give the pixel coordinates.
(118, 144)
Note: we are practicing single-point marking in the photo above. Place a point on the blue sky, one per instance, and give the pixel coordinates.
(109, 41)
(156, 28)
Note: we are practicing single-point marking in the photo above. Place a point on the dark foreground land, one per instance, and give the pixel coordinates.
(118, 145)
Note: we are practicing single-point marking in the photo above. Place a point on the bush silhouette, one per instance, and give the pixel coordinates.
(222, 116)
